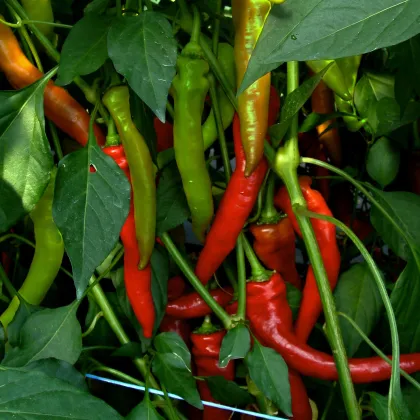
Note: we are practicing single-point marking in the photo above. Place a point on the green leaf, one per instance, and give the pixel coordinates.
(405, 299)
(145, 410)
(36, 395)
(270, 373)
(379, 405)
(358, 297)
(97, 6)
(131, 350)
(170, 342)
(294, 296)
(172, 206)
(314, 119)
(59, 369)
(48, 333)
(160, 275)
(89, 208)
(228, 392)
(25, 155)
(85, 48)
(383, 161)
(176, 377)
(143, 50)
(403, 208)
(235, 345)
(294, 102)
(22, 314)
(327, 29)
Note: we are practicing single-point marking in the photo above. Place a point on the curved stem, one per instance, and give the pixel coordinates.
(269, 213)
(118, 374)
(394, 386)
(18, 237)
(195, 282)
(240, 260)
(258, 272)
(92, 326)
(42, 22)
(285, 164)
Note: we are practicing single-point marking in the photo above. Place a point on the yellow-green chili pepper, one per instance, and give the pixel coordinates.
(117, 100)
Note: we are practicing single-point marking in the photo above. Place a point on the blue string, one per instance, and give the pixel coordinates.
(177, 397)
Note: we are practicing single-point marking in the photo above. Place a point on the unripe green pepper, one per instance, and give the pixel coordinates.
(49, 251)
(40, 10)
(189, 90)
(117, 100)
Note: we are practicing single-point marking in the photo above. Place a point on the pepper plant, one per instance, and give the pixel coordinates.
(209, 209)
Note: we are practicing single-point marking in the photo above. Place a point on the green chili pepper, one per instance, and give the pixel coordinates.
(117, 100)
(189, 90)
(49, 251)
(40, 10)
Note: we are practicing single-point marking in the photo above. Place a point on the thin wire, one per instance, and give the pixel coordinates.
(177, 397)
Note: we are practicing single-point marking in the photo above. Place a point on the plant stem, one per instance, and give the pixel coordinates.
(216, 27)
(269, 213)
(118, 7)
(285, 165)
(240, 260)
(56, 140)
(118, 374)
(196, 28)
(195, 282)
(258, 272)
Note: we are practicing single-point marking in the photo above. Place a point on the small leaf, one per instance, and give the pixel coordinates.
(143, 50)
(228, 392)
(38, 395)
(160, 275)
(383, 161)
(294, 102)
(172, 206)
(25, 154)
(85, 48)
(358, 297)
(379, 405)
(235, 345)
(90, 205)
(48, 333)
(403, 207)
(270, 373)
(170, 342)
(177, 378)
(145, 410)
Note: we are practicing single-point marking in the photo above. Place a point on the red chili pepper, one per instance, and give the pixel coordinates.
(6, 262)
(164, 134)
(301, 408)
(137, 282)
(192, 305)
(59, 106)
(236, 205)
(271, 321)
(311, 306)
(176, 287)
(206, 349)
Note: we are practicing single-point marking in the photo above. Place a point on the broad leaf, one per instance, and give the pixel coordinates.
(358, 297)
(170, 342)
(228, 392)
(383, 161)
(145, 410)
(97, 6)
(25, 155)
(172, 206)
(92, 197)
(143, 50)
(177, 378)
(270, 373)
(294, 102)
(235, 345)
(319, 29)
(85, 48)
(35, 395)
(403, 207)
(48, 333)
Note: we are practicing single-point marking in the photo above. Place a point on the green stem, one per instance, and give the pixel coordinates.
(42, 22)
(216, 27)
(92, 326)
(285, 165)
(8, 284)
(118, 7)
(18, 237)
(258, 272)
(56, 140)
(394, 386)
(196, 28)
(118, 374)
(112, 137)
(231, 275)
(329, 401)
(240, 260)
(269, 213)
(219, 125)
(195, 282)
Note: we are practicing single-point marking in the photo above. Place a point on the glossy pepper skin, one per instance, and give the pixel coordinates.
(275, 246)
(59, 106)
(248, 18)
(189, 90)
(137, 282)
(235, 207)
(117, 100)
(311, 306)
(40, 10)
(205, 350)
(49, 251)
(192, 305)
(270, 319)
